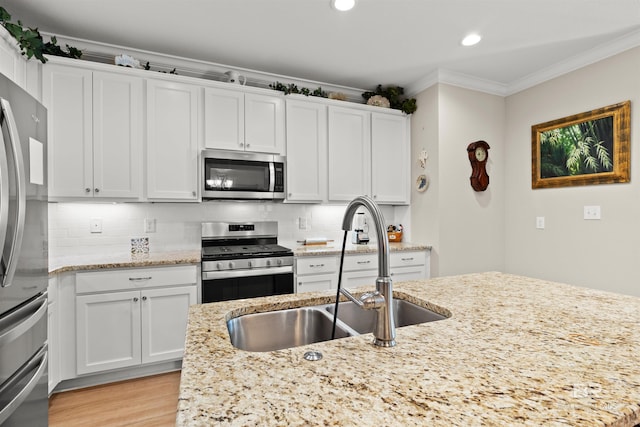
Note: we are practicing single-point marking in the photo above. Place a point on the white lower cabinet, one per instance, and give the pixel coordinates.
(53, 337)
(143, 322)
(314, 273)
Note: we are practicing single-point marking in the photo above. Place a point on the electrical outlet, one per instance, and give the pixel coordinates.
(592, 212)
(149, 225)
(302, 223)
(540, 222)
(95, 225)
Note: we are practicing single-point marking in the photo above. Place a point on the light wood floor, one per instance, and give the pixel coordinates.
(150, 401)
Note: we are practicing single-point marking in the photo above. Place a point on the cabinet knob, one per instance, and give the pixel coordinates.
(289, 194)
(248, 145)
(135, 299)
(144, 298)
(242, 144)
(193, 193)
(87, 190)
(97, 190)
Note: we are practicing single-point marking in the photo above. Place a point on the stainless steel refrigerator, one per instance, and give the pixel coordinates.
(23, 258)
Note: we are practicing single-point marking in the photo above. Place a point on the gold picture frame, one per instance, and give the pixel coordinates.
(583, 149)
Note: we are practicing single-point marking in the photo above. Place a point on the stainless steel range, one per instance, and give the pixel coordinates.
(244, 260)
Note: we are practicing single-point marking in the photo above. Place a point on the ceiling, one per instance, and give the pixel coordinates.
(385, 42)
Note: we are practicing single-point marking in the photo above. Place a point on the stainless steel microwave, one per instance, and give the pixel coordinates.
(242, 175)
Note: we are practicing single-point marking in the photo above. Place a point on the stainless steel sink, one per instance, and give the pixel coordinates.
(406, 314)
(275, 330)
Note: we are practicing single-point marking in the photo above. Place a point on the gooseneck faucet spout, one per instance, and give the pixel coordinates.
(382, 300)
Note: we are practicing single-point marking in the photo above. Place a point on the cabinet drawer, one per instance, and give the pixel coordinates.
(316, 265)
(406, 259)
(135, 278)
(360, 262)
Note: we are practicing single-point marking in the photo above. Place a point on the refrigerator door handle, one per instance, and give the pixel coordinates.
(23, 323)
(39, 361)
(4, 198)
(21, 196)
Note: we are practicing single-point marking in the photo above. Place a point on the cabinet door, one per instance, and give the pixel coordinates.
(12, 63)
(117, 136)
(164, 322)
(223, 119)
(349, 153)
(317, 282)
(390, 161)
(67, 94)
(107, 331)
(172, 140)
(353, 279)
(306, 151)
(263, 123)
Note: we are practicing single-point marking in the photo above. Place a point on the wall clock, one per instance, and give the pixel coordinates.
(478, 154)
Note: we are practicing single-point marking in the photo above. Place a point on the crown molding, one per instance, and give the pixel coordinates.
(105, 53)
(596, 54)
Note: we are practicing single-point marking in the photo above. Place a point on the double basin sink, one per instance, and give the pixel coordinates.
(276, 330)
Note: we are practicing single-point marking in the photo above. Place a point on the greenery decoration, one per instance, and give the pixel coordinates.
(293, 88)
(395, 96)
(31, 42)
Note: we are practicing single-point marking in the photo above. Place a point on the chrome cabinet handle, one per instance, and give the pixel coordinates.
(139, 279)
(407, 259)
(364, 262)
(21, 195)
(316, 265)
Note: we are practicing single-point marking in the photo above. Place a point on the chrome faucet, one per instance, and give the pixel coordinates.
(381, 300)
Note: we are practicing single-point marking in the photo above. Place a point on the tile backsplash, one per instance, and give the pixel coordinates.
(177, 225)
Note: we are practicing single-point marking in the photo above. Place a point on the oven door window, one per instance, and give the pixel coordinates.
(246, 287)
(236, 175)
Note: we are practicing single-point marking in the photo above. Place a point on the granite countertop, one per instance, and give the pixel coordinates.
(514, 351)
(335, 248)
(121, 260)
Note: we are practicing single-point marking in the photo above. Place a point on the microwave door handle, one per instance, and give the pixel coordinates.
(272, 177)
(21, 196)
(4, 199)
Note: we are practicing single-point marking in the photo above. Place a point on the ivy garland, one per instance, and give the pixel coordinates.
(31, 42)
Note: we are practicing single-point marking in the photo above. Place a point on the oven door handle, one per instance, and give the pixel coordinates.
(226, 274)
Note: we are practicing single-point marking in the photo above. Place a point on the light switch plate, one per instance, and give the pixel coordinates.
(540, 222)
(149, 225)
(95, 225)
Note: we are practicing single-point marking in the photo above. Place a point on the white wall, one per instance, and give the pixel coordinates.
(602, 254)
(178, 224)
(465, 227)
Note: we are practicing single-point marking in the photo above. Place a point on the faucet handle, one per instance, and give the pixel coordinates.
(372, 300)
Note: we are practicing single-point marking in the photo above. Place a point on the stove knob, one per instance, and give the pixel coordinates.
(231, 265)
(268, 262)
(250, 264)
(279, 262)
(220, 266)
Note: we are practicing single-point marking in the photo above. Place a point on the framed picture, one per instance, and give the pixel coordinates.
(583, 149)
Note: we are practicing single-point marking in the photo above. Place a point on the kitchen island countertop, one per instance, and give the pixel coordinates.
(514, 351)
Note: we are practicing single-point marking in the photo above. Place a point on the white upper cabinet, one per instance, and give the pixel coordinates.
(117, 135)
(306, 151)
(390, 158)
(94, 133)
(234, 120)
(172, 140)
(349, 153)
(12, 62)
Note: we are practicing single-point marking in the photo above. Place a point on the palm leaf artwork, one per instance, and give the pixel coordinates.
(577, 149)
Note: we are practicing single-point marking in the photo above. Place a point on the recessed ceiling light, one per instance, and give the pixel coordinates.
(471, 39)
(343, 5)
